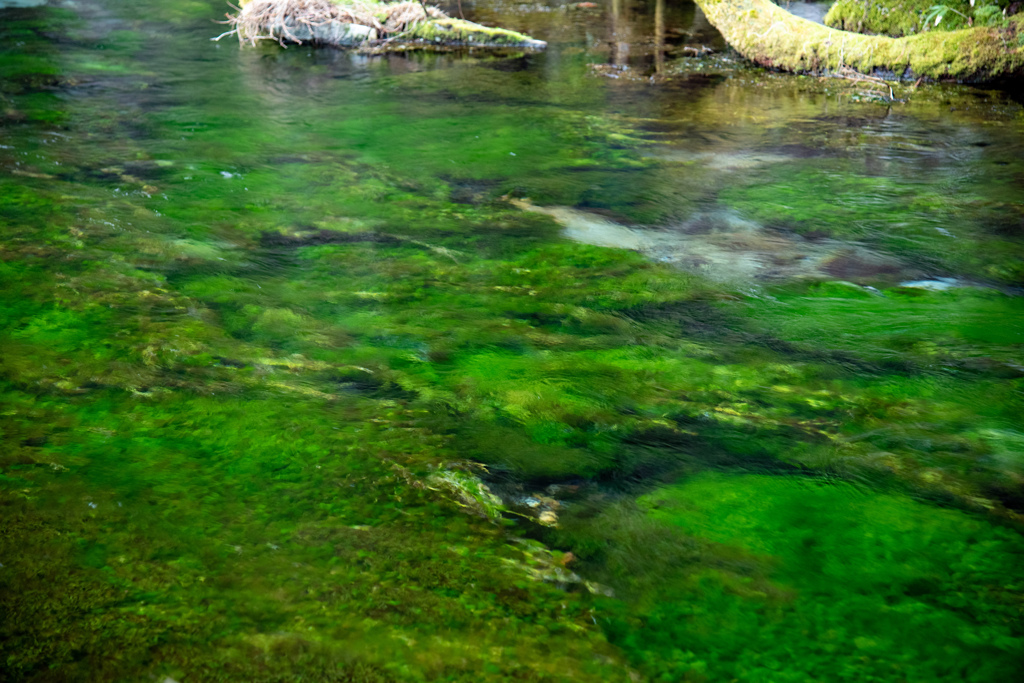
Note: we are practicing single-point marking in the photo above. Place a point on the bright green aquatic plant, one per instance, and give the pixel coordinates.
(890, 214)
(250, 371)
(305, 548)
(786, 578)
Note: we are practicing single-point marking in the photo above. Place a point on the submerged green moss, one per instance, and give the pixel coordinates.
(894, 213)
(307, 549)
(790, 578)
(264, 382)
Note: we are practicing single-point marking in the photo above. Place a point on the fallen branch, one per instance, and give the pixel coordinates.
(972, 55)
(355, 23)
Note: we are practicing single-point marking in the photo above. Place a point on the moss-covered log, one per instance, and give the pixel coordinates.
(364, 23)
(772, 37)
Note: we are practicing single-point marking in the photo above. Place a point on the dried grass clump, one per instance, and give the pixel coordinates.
(402, 15)
(271, 19)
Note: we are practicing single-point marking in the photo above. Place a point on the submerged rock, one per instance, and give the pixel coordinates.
(940, 284)
(467, 491)
(726, 247)
(377, 26)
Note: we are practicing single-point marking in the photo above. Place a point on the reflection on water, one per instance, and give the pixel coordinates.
(616, 361)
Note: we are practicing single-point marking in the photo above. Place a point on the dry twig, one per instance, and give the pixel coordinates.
(851, 75)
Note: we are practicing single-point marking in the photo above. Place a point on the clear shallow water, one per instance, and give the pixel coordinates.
(270, 316)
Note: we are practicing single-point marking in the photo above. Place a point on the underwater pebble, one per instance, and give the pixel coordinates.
(939, 284)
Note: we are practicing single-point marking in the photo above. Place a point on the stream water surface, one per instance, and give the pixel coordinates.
(618, 361)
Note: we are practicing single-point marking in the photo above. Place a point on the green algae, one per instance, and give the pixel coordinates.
(192, 516)
(549, 383)
(846, 313)
(891, 213)
(287, 351)
(565, 367)
(773, 560)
